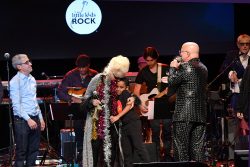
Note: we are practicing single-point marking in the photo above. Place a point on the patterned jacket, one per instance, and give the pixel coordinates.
(190, 80)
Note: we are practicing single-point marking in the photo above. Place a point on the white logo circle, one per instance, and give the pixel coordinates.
(83, 16)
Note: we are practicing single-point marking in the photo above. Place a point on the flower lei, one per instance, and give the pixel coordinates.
(107, 137)
(107, 95)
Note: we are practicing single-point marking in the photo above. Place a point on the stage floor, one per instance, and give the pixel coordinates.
(51, 161)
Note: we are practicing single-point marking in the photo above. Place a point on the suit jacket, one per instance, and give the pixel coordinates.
(232, 61)
(244, 99)
(1, 91)
(191, 82)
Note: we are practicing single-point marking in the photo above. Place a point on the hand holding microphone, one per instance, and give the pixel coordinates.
(176, 62)
(95, 100)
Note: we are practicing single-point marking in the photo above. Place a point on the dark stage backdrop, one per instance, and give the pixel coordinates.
(39, 29)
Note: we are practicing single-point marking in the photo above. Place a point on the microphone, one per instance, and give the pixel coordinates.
(241, 53)
(45, 75)
(95, 95)
(56, 76)
(6, 56)
(178, 59)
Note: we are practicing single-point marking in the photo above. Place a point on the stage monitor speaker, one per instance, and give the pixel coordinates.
(241, 158)
(68, 145)
(231, 135)
(69, 151)
(171, 164)
(241, 152)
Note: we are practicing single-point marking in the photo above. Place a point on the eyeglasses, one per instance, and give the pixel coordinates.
(244, 44)
(27, 62)
(181, 51)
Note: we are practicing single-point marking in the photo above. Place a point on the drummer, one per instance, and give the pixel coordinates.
(72, 88)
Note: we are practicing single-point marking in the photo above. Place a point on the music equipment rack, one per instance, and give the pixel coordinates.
(51, 83)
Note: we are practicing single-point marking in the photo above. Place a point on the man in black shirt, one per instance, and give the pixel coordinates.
(155, 76)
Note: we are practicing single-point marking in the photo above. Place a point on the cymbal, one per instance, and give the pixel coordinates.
(75, 88)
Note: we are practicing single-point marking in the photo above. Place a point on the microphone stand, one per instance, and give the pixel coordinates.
(222, 119)
(222, 72)
(11, 134)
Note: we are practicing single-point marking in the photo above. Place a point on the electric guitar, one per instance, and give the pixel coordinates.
(76, 91)
(146, 100)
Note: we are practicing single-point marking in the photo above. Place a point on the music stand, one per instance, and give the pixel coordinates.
(49, 150)
(62, 111)
(65, 111)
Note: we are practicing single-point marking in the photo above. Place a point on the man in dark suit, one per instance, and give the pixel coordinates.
(189, 77)
(243, 110)
(234, 65)
(1, 91)
(243, 107)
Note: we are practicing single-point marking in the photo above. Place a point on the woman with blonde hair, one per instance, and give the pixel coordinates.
(100, 136)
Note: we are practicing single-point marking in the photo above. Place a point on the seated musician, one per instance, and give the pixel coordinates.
(72, 88)
(154, 75)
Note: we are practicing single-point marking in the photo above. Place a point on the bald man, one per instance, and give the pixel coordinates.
(189, 77)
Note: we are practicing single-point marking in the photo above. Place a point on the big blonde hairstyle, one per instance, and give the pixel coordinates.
(118, 66)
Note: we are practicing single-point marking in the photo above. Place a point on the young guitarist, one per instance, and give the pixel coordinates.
(154, 75)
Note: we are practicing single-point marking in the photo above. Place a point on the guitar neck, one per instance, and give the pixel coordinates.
(162, 93)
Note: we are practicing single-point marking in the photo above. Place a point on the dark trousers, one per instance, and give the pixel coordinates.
(97, 149)
(189, 138)
(167, 140)
(234, 101)
(132, 142)
(27, 142)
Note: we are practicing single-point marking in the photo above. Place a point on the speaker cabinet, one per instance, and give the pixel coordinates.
(68, 145)
(241, 158)
(241, 151)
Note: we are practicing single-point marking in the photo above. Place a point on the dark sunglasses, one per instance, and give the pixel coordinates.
(244, 44)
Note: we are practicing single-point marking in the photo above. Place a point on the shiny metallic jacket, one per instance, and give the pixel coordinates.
(190, 81)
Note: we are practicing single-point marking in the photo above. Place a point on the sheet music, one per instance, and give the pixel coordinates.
(151, 106)
(51, 112)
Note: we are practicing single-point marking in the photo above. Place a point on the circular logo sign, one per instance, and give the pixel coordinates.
(83, 16)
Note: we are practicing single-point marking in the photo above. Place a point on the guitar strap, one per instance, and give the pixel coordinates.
(159, 70)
